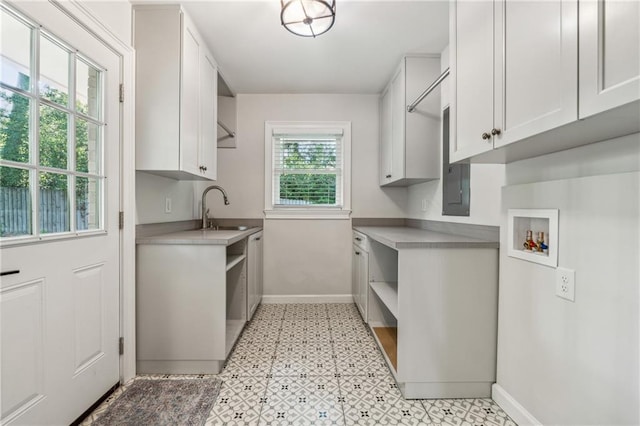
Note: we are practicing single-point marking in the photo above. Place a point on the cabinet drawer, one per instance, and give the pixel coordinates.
(361, 240)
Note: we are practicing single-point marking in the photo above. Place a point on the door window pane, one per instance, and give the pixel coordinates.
(87, 89)
(54, 72)
(87, 204)
(53, 137)
(15, 49)
(54, 203)
(15, 202)
(14, 126)
(87, 146)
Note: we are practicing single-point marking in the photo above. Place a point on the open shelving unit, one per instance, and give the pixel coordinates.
(236, 292)
(387, 292)
(234, 259)
(387, 339)
(205, 287)
(417, 297)
(383, 301)
(232, 332)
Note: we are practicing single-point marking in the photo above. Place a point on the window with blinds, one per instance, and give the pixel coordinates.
(307, 170)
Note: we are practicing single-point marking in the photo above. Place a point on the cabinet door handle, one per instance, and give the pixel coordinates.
(495, 131)
(358, 239)
(486, 136)
(257, 239)
(204, 168)
(387, 176)
(358, 253)
(15, 271)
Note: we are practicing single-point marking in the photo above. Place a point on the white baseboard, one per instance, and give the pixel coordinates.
(307, 298)
(513, 408)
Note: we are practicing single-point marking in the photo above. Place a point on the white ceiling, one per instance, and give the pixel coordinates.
(257, 55)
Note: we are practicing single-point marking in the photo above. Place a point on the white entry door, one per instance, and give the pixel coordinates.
(59, 203)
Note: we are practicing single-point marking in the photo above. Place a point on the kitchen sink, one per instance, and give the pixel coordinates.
(230, 228)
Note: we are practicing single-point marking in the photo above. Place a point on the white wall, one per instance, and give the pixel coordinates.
(115, 15)
(151, 193)
(486, 181)
(305, 257)
(576, 363)
(241, 170)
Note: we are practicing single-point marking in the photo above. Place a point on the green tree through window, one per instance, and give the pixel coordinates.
(53, 144)
(314, 187)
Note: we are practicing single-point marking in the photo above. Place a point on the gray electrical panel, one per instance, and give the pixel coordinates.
(455, 178)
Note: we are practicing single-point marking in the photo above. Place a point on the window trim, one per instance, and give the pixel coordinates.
(312, 212)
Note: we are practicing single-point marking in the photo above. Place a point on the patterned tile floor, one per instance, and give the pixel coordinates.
(317, 364)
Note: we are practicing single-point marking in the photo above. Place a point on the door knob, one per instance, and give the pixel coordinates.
(495, 131)
(486, 136)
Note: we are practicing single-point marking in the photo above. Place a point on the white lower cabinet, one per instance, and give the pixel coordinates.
(360, 273)
(254, 273)
(433, 312)
(191, 303)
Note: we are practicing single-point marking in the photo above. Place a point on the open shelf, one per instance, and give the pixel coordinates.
(387, 338)
(232, 332)
(388, 294)
(234, 259)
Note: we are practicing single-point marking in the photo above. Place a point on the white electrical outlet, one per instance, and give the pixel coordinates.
(566, 283)
(167, 205)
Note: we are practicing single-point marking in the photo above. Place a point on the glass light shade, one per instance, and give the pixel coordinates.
(308, 18)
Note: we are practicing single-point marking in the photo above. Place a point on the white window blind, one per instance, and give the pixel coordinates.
(308, 169)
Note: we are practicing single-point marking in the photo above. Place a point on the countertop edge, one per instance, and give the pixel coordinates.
(167, 239)
(376, 233)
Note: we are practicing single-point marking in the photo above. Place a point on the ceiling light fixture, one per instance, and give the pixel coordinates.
(308, 18)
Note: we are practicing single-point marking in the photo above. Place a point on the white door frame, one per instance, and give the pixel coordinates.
(77, 11)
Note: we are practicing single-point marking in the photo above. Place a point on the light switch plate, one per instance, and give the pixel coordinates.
(566, 283)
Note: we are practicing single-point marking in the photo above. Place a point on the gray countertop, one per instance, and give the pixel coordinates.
(199, 237)
(401, 237)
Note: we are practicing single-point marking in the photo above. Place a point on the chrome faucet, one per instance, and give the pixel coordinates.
(205, 210)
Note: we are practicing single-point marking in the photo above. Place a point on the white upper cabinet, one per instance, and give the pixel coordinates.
(537, 81)
(189, 103)
(176, 95)
(513, 71)
(410, 142)
(208, 116)
(534, 77)
(472, 73)
(385, 137)
(609, 55)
